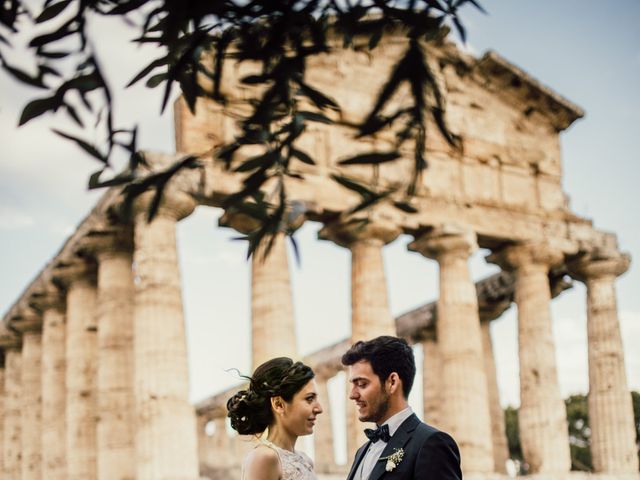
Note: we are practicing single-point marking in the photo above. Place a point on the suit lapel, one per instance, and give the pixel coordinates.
(399, 440)
(359, 454)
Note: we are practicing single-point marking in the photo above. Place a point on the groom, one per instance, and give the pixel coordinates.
(381, 373)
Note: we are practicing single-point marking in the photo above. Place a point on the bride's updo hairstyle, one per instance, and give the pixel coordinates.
(250, 410)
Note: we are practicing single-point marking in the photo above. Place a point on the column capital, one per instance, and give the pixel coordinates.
(445, 240)
(369, 227)
(174, 204)
(292, 220)
(66, 274)
(521, 255)
(9, 339)
(599, 264)
(106, 241)
(27, 320)
(49, 297)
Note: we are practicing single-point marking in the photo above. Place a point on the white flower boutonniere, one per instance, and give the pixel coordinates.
(393, 460)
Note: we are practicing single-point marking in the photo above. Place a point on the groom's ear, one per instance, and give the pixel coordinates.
(393, 383)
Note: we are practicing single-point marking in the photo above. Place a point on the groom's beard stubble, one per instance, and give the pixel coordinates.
(379, 409)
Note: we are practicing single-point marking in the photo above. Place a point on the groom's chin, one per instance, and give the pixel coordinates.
(364, 418)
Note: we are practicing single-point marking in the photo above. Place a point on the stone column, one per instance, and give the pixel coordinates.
(542, 417)
(370, 314)
(113, 250)
(273, 326)
(431, 382)
(51, 304)
(498, 429)
(224, 450)
(166, 437)
(12, 445)
(323, 432)
(29, 324)
(81, 368)
(610, 408)
(460, 347)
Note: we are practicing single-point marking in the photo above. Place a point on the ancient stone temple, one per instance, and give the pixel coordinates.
(94, 377)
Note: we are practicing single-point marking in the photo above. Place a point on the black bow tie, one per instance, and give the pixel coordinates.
(380, 433)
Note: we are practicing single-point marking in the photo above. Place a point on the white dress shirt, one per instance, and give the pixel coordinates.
(375, 449)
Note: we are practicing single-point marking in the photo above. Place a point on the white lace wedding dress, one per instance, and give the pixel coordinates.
(295, 465)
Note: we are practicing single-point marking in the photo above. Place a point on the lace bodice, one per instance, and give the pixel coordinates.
(295, 465)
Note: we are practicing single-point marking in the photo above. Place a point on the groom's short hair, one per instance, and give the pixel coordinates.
(386, 355)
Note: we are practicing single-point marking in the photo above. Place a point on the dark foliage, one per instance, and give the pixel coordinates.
(579, 431)
(281, 36)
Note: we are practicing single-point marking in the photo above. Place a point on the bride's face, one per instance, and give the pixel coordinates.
(299, 415)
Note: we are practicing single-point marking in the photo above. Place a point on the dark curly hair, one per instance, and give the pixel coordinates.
(386, 355)
(250, 410)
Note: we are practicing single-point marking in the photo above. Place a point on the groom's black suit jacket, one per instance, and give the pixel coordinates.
(429, 454)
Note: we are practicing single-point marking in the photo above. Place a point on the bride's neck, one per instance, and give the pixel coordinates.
(281, 438)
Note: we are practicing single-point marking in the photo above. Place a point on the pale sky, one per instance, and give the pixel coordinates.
(587, 51)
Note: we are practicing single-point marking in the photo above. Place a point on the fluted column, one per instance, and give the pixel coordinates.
(323, 432)
(166, 438)
(370, 313)
(12, 445)
(51, 304)
(498, 429)
(431, 382)
(113, 250)
(273, 326)
(460, 347)
(611, 419)
(81, 368)
(29, 324)
(224, 450)
(542, 416)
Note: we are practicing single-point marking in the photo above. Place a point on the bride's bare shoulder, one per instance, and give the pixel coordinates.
(262, 464)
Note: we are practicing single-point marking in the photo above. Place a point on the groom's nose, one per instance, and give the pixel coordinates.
(353, 394)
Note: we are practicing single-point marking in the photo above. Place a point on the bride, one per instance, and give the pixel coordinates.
(282, 399)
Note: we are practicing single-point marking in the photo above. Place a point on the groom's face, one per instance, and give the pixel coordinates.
(372, 401)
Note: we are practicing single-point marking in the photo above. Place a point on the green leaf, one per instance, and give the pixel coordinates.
(44, 69)
(315, 117)
(461, 30)
(52, 11)
(375, 39)
(254, 79)
(370, 201)
(53, 55)
(353, 185)
(94, 179)
(405, 207)
(372, 158)
(148, 69)
(227, 152)
(302, 156)
(37, 107)
(23, 76)
(90, 149)
(74, 115)
(62, 32)
(265, 160)
(318, 98)
(156, 80)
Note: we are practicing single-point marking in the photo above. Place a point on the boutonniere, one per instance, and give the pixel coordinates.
(393, 460)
